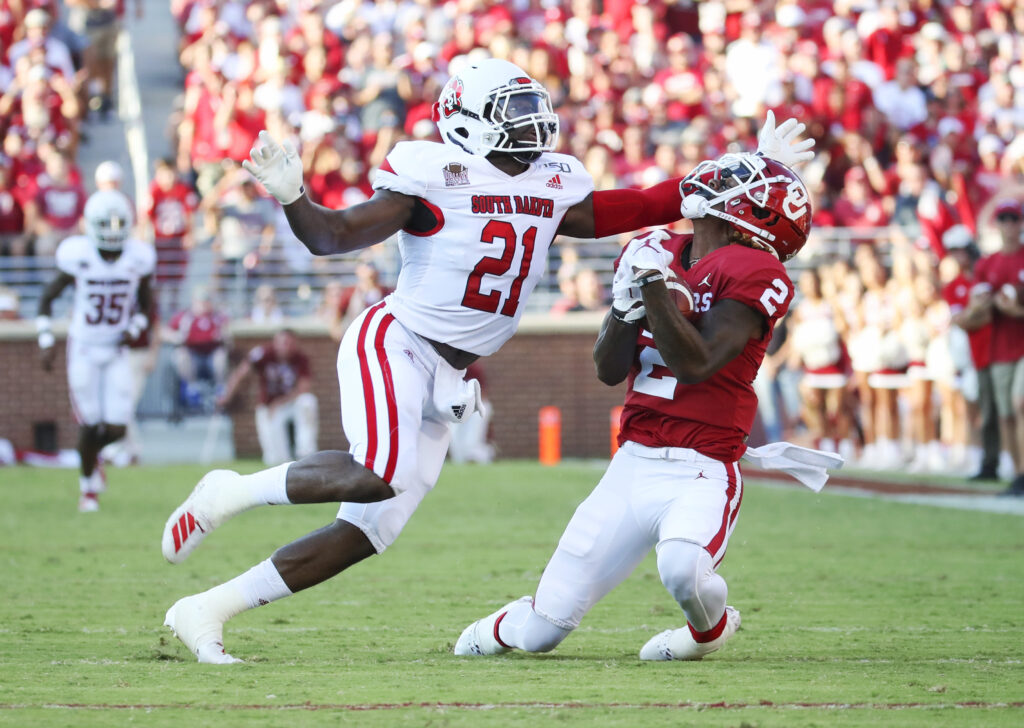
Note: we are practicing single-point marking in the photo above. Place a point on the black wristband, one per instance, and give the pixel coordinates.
(620, 316)
(650, 278)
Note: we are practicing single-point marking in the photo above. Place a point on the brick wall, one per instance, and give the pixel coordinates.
(547, 363)
(28, 395)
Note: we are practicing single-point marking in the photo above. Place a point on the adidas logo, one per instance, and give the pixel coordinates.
(184, 528)
(458, 410)
(555, 182)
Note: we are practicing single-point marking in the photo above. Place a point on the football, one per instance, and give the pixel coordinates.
(682, 294)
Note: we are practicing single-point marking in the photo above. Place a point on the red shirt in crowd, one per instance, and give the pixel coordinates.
(998, 270)
(204, 333)
(204, 134)
(957, 294)
(60, 203)
(242, 130)
(12, 216)
(171, 210)
(278, 377)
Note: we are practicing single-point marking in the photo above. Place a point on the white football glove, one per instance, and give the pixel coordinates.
(277, 167)
(646, 253)
(627, 303)
(783, 143)
(628, 310)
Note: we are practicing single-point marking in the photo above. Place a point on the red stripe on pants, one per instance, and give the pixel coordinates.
(364, 371)
(730, 492)
(389, 395)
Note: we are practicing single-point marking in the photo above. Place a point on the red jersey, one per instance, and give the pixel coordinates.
(278, 377)
(60, 203)
(203, 333)
(957, 293)
(12, 216)
(998, 270)
(171, 210)
(712, 417)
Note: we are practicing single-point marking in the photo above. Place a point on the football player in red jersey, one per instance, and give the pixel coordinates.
(675, 482)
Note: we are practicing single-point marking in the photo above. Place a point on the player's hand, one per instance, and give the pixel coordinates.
(783, 143)
(277, 167)
(646, 254)
(627, 303)
(628, 310)
(46, 357)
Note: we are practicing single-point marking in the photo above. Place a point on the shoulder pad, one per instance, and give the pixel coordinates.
(74, 253)
(409, 165)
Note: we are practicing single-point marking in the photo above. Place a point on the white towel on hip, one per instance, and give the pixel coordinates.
(808, 466)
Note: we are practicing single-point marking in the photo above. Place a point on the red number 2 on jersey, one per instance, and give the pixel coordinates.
(493, 231)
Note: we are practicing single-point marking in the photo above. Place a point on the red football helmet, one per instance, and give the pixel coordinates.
(762, 199)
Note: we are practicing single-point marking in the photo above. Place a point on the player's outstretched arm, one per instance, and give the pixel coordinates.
(322, 230)
(693, 354)
(330, 232)
(610, 212)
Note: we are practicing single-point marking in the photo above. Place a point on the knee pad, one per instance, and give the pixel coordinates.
(682, 566)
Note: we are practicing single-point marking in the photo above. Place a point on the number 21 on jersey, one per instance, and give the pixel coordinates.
(500, 232)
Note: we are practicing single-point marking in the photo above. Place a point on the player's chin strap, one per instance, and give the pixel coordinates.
(808, 466)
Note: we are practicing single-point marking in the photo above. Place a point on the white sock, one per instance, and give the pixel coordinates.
(267, 487)
(85, 485)
(260, 585)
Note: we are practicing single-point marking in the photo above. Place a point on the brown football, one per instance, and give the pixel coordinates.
(682, 294)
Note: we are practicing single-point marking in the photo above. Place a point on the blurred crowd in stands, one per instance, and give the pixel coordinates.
(917, 107)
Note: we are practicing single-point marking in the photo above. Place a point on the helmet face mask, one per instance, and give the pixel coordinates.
(493, 106)
(762, 200)
(108, 220)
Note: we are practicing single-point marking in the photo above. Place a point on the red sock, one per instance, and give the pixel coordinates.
(701, 637)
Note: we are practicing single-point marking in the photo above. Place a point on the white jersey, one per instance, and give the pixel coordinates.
(465, 282)
(105, 292)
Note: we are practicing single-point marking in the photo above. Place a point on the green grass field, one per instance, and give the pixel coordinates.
(856, 612)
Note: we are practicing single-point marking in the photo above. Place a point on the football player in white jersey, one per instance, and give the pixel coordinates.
(475, 217)
(111, 274)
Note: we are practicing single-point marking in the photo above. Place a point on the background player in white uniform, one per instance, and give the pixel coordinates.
(111, 275)
(475, 216)
(675, 484)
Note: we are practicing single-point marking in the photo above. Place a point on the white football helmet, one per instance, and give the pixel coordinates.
(492, 106)
(108, 220)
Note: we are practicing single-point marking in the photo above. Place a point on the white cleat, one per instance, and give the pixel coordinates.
(678, 644)
(198, 630)
(210, 503)
(479, 638)
(88, 503)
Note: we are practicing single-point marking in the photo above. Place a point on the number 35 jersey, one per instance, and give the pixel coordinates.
(712, 417)
(105, 292)
(465, 281)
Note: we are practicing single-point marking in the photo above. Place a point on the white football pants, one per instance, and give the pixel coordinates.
(386, 377)
(676, 499)
(100, 383)
(272, 429)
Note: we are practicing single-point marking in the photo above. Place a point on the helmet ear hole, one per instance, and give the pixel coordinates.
(759, 212)
(462, 132)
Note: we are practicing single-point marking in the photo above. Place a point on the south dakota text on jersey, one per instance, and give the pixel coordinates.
(512, 204)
